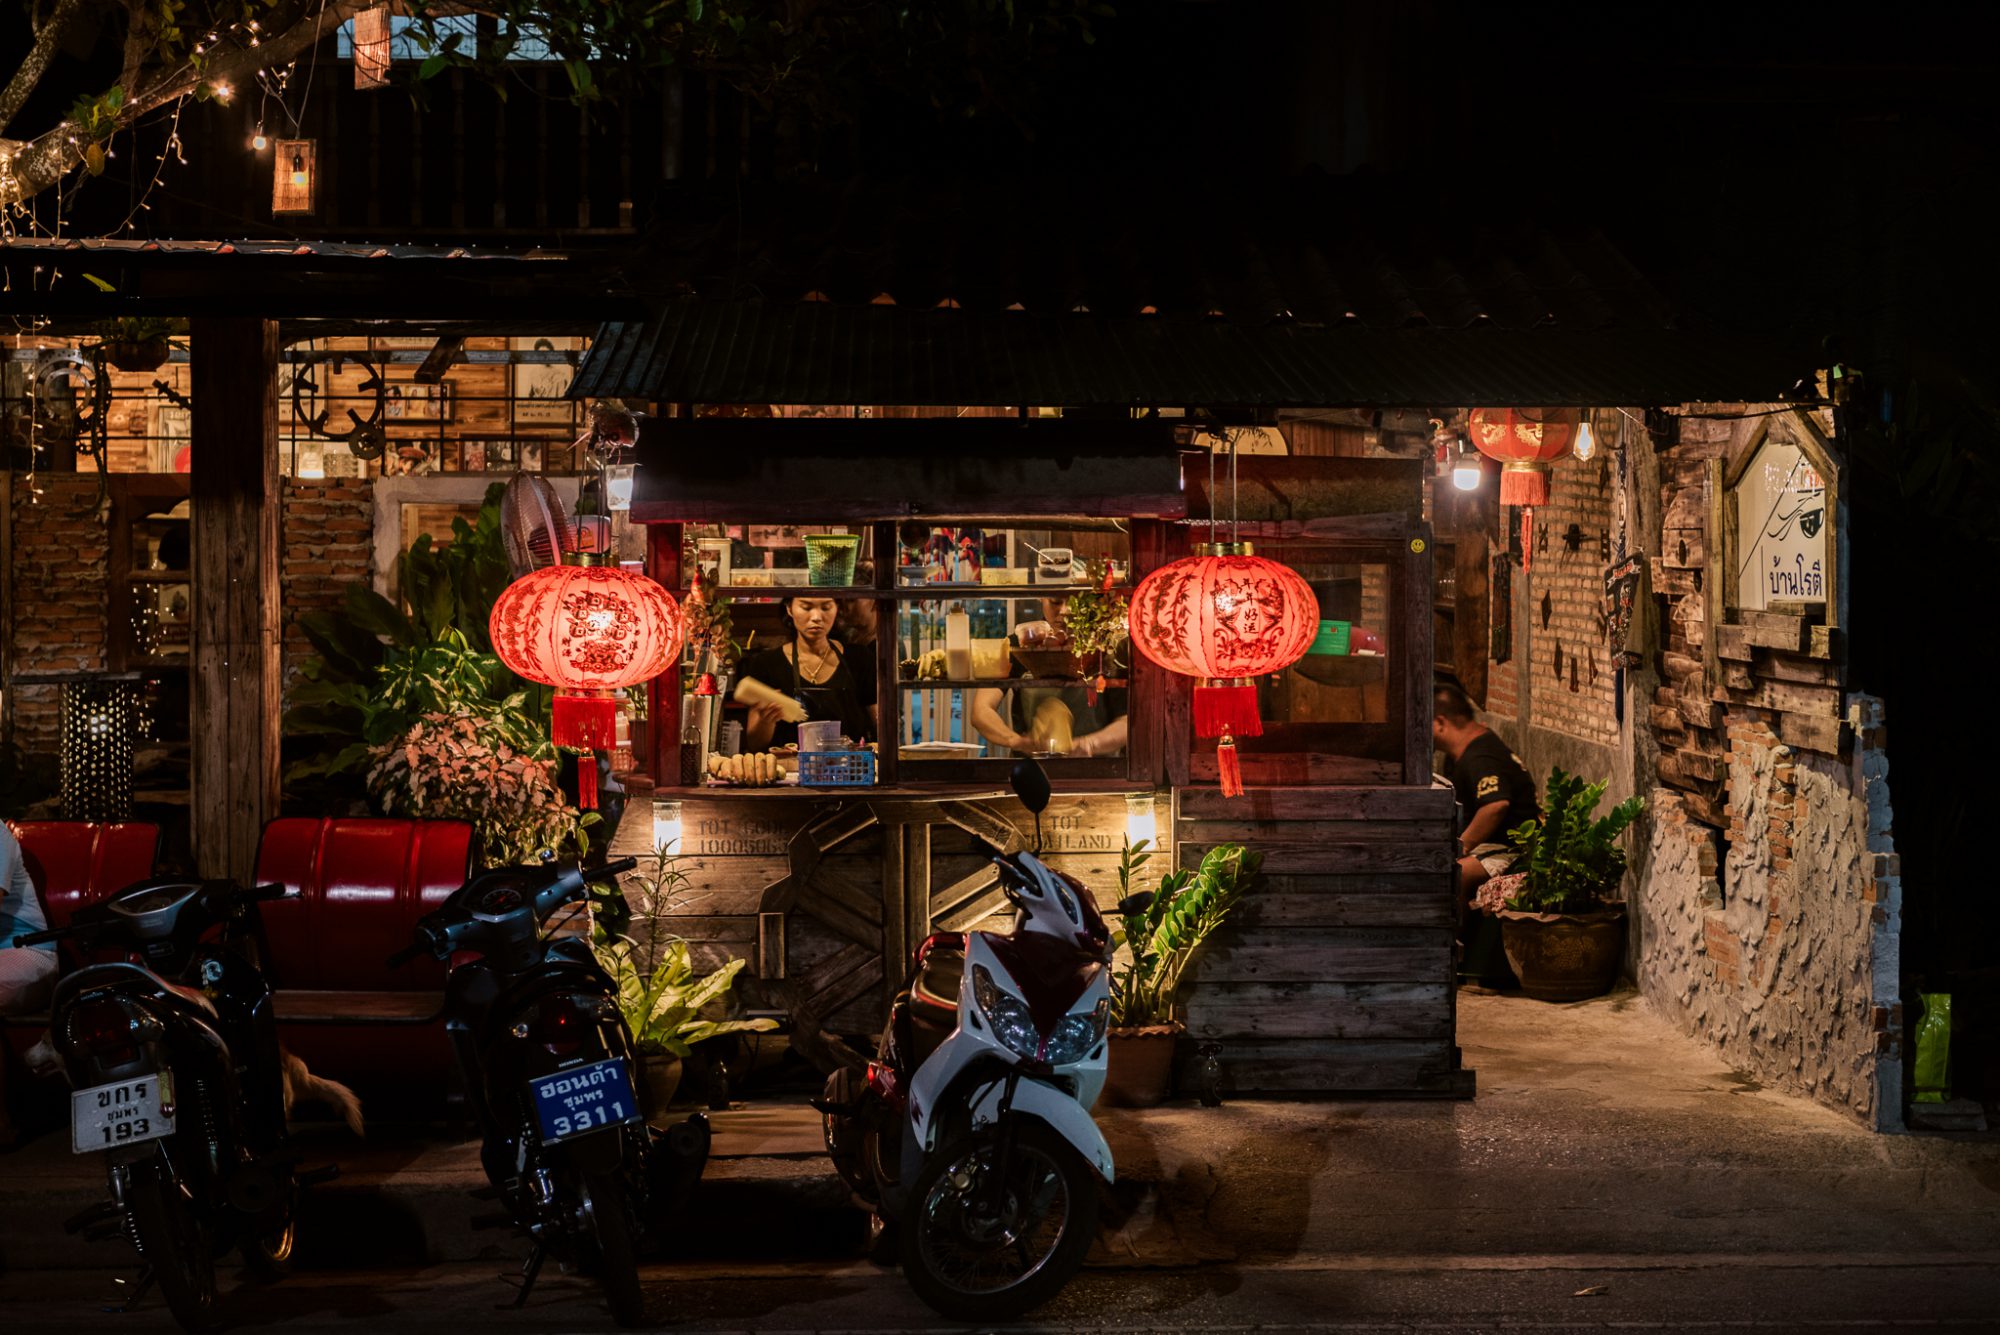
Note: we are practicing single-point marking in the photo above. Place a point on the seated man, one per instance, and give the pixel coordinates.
(27, 976)
(1495, 792)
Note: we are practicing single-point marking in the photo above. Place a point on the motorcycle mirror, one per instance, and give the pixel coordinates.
(1138, 903)
(1031, 784)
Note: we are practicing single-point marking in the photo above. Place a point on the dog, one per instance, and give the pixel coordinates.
(300, 1084)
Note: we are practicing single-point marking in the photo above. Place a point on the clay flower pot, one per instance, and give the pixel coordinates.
(659, 1077)
(1140, 1067)
(1564, 956)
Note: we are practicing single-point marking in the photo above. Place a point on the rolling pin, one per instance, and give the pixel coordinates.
(753, 693)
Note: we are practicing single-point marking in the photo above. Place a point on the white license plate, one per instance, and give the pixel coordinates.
(123, 1113)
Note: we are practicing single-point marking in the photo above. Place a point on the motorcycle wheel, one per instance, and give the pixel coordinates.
(973, 1258)
(269, 1254)
(176, 1242)
(609, 1206)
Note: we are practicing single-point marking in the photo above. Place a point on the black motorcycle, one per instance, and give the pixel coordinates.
(547, 1063)
(175, 1076)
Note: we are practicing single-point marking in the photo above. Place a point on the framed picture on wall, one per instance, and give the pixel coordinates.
(472, 456)
(169, 432)
(414, 402)
(531, 456)
(539, 386)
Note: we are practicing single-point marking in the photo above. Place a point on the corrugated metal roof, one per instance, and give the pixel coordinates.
(697, 350)
(1319, 291)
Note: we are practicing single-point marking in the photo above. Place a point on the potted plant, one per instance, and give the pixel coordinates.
(663, 1000)
(1158, 945)
(1560, 923)
(139, 343)
(1095, 621)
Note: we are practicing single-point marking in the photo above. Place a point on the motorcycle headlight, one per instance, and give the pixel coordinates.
(1077, 1034)
(1006, 1013)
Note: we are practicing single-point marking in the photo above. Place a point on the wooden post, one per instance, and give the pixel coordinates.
(234, 498)
(663, 693)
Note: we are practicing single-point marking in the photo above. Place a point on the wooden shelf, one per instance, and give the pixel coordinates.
(1343, 669)
(1059, 683)
(904, 592)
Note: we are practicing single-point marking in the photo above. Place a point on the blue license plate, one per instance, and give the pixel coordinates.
(584, 1099)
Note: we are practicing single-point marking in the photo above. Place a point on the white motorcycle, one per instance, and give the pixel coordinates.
(970, 1132)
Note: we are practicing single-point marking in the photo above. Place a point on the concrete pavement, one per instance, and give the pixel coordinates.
(1603, 1152)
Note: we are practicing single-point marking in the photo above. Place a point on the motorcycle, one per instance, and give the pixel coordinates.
(176, 1078)
(547, 1059)
(970, 1132)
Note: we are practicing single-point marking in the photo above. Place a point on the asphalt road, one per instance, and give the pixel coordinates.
(1435, 1295)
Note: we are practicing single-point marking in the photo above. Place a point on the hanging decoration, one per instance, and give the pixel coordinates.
(589, 629)
(1523, 441)
(371, 48)
(292, 176)
(1225, 615)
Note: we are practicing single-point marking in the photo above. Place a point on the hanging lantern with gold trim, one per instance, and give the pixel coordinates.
(1523, 441)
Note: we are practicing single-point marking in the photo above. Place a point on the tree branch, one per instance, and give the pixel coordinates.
(47, 38)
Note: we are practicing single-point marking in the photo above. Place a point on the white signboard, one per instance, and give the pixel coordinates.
(1782, 527)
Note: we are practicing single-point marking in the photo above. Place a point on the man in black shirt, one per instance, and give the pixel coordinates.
(1495, 792)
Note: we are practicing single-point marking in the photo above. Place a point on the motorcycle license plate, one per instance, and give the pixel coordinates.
(584, 1099)
(122, 1113)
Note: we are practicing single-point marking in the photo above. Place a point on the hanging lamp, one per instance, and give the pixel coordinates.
(1224, 616)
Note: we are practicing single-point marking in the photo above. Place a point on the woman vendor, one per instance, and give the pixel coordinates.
(813, 668)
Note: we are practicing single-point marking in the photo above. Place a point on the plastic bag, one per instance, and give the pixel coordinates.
(1934, 1049)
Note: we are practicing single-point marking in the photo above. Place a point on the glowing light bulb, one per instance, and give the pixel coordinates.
(1140, 821)
(298, 169)
(259, 141)
(1586, 440)
(1465, 474)
(667, 826)
(223, 91)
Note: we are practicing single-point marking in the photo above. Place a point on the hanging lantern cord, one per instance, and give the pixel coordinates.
(1235, 520)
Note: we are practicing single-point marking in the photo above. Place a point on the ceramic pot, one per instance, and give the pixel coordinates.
(1140, 1070)
(659, 1077)
(1565, 956)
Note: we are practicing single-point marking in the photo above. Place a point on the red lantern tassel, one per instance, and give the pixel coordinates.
(586, 781)
(1524, 484)
(586, 721)
(1225, 707)
(1229, 770)
(1527, 538)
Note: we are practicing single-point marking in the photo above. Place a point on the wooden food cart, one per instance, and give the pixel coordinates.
(1335, 974)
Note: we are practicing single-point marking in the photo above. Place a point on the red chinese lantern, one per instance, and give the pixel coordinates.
(589, 630)
(1523, 441)
(1224, 616)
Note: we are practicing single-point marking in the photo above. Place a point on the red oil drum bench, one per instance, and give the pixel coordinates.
(74, 863)
(361, 884)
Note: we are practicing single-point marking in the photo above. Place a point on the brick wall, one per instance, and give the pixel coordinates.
(328, 535)
(1564, 596)
(59, 565)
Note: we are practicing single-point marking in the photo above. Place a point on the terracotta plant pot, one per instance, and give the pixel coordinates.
(1565, 956)
(146, 355)
(1140, 1071)
(659, 1077)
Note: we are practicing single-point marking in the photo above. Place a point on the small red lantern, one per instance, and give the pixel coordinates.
(589, 630)
(1225, 615)
(1523, 441)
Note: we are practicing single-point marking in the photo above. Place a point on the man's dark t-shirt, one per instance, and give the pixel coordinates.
(1487, 771)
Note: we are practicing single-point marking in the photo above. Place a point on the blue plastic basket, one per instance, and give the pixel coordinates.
(836, 769)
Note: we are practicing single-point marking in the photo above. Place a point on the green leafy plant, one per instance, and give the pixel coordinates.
(139, 329)
(1094, 619)
(378, 668)
(661, 997)
(1570, 862)
(1159, 944)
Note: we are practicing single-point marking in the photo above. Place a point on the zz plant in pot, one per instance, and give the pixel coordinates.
(1156, 946)
(667, 1006)
(1560, 923)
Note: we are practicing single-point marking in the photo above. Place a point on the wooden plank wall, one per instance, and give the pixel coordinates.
(1335, 974)
(880, 873)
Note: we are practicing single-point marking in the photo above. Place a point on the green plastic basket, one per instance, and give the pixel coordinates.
(830, 559)
(1333, 638)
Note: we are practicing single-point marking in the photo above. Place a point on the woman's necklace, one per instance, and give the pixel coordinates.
(824, 669)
